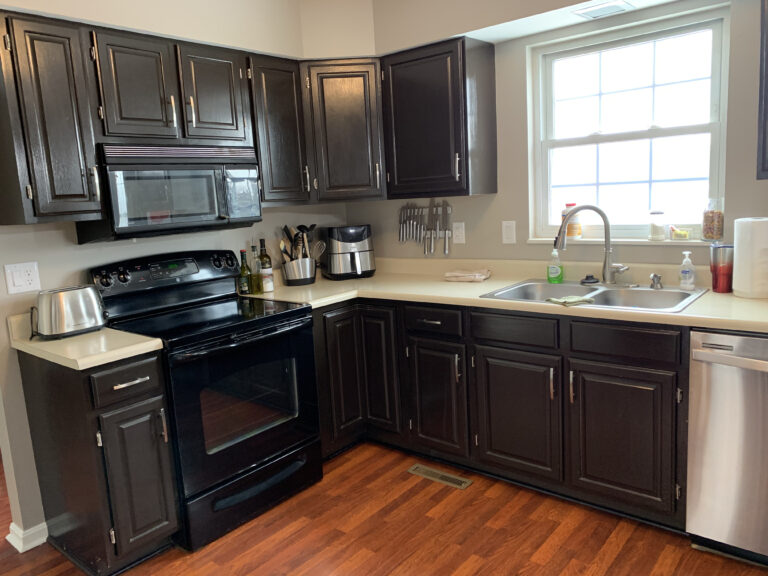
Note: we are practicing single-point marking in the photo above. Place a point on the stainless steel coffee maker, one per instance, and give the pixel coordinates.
(349, 252)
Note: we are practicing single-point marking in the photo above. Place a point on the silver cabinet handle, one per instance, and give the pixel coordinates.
(194, 115)
(306, 174)
(173, 110)
(551, 383)
(430, 322)
(378, 176)
(728, 360)
(165, 425)
(570, 383)
(131, 383)
(456, 360)
(456, 160)
(96, 183)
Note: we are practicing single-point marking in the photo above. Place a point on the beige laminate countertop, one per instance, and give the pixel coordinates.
(84, 350)
(712, 310)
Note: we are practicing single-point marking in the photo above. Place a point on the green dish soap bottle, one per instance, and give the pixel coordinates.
(555, 269)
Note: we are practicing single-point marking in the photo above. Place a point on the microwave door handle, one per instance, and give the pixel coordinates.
(194, 354)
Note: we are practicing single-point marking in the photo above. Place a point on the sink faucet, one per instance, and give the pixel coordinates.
(609, 268)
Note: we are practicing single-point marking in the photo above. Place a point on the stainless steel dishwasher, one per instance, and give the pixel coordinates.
(728, 442)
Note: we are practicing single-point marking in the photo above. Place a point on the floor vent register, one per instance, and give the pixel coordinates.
(440, 476)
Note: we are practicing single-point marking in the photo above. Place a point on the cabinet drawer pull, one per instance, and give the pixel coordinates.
(551, 383)
(194, 114)
(456, 360)
(570, 383)
(131, 383)
(456, 160)
(430, 322)
(306, 175)
(173, 110)
(165, 425)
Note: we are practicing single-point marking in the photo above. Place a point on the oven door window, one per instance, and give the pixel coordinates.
(168, 197)
(245, 397)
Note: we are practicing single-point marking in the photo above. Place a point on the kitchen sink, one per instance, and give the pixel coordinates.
(663, 300)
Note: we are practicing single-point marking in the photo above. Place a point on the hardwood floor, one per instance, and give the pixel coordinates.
(369, 517)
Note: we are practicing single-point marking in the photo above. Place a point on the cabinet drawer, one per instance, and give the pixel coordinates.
(126, 381)
(514, 329)
(628, 342)
(439, 320)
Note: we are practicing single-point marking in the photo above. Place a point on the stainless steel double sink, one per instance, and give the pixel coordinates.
(605, 296)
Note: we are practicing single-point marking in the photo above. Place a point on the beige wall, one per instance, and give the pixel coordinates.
(745, 195)
(337, 28)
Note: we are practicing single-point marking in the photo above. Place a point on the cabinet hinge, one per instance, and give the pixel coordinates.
(100, 112)
(382, 75)
(387, 176)
(477, 441)
(473, 360)
(679, 395)
(241, 73)
(7, 42)
(93, 53)
(314, 183)
(306, 82)
(28, 190)
(98, 438)
(112, 537)
(249, 74)
(410, 424)
(678, 491)
(407, 352)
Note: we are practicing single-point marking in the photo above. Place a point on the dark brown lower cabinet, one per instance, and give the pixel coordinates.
(622, 433)
(379, 368)
(438, 396)
(518, 411)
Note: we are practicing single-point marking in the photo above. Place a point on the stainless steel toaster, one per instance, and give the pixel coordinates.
(66, 312)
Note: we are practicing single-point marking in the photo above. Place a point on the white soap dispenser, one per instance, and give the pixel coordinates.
(687, 272)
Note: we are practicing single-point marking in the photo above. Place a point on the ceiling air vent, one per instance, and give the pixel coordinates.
(604, 9)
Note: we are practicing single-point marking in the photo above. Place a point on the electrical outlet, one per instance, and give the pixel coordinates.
(22, 277)
(508, 232)
(457, 234)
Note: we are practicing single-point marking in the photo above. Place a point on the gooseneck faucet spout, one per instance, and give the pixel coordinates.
(609, 268)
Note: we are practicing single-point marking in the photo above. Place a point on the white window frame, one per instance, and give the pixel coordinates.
(540, 65)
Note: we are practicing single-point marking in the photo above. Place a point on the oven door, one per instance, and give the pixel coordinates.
(240, 402)
(152, 198)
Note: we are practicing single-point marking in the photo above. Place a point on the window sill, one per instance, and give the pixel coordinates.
(622, 241)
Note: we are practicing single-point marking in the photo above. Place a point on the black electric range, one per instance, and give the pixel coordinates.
(240, 381)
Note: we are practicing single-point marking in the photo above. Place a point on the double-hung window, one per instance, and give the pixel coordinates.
(632, 123)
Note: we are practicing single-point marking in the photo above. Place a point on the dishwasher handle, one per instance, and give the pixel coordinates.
(728, 360)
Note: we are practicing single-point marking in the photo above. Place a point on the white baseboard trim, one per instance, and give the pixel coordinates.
(24, 540)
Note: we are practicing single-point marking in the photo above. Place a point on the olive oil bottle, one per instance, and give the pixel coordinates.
(244, 280)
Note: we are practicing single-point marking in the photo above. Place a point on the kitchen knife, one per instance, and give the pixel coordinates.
(446, 225)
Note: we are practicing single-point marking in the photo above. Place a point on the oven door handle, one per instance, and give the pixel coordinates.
(259, 336)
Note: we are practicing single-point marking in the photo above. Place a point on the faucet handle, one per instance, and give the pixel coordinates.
(619, 268)
(656, 282)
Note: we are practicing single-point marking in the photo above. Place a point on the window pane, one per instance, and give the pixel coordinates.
(681, 202)
(680, 157)
(573, 165)
(625, 203)
(559, 197)
(578, 117)
(684, 57)
(626, 68)
(627, 111)
(576, 76)
(683, 104)
(625, 161)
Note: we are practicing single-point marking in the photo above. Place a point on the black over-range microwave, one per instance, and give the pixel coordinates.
(153, 190)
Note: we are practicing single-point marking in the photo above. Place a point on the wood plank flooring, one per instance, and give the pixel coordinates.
(370, 517)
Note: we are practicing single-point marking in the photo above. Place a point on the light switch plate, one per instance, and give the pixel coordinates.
(457, 235)
(22, 277)
(508, 232)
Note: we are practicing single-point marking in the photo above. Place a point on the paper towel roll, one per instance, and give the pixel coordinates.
(750, 257)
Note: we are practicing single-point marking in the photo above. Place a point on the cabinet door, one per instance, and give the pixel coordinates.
(439, 395)
(139, 85)
(622, 433)
(518, 408)
(139, 474)
(212, 86)
(342, 334)
(282, 149)
(343, 122)
(379, 368)
(55, 112)
(425, 121)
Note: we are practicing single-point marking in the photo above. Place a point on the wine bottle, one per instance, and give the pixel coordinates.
(243, 281)
(267, 281)
(255, 264)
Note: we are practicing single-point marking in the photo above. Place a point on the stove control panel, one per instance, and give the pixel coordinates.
(162, 270)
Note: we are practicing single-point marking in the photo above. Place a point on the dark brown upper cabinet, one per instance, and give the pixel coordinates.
(343, 119)
(139, 85)
(214, 89)
(276, 85)
(58, 177)
(440, 120)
